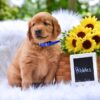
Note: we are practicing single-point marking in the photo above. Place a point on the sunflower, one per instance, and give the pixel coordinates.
(73, 44)
(88, 44)
(98, 22)
(80, 31)
(89, 22)
(97, 26)
(96, 37)
(83, 38)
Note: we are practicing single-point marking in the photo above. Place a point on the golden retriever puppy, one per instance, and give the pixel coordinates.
(33, 63)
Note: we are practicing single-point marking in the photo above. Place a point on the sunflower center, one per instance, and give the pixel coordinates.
(74, 43)
(89, 26)
(97, 39)
(81, 34)
(87, 44)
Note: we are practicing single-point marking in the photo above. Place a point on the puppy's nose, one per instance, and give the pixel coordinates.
(38, 32)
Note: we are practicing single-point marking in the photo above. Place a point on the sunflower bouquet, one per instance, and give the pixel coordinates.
(84, 38)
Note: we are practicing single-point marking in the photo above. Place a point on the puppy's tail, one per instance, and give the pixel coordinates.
(67, 19)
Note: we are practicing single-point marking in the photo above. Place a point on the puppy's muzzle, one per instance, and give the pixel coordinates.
(38, 33)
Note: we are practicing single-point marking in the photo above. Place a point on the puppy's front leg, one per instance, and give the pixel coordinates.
(26, 75)
(51, 74)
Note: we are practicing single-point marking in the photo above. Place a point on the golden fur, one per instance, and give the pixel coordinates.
(33, 64)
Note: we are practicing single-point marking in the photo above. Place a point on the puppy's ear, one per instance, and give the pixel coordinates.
(29, 31)
(56, 27)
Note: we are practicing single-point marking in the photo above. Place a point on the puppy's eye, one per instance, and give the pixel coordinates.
(46, 24)
(33, 24)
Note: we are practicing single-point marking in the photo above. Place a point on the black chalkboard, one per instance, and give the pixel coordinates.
(83, 68)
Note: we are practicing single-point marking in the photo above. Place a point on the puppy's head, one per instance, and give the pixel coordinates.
(43, 28)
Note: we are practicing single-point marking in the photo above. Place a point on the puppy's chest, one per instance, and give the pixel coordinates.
(44, 58)
(48, 54)
(42, 55)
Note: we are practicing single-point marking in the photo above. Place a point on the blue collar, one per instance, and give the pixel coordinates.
(45, 44)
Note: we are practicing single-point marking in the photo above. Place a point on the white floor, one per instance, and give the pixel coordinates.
(60, 91)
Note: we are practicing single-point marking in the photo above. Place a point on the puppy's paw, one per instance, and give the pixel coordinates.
(26, 84)
(48, 81)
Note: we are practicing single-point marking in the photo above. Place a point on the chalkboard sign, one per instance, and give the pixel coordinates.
(83, 67)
